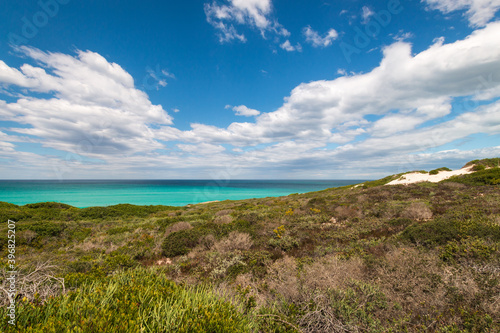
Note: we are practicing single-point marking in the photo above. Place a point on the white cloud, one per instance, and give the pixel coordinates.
(242, 110)
(157, 78)
(254, 13)
(396, 115)
(479, 12)
(405, 90)
(402, 36)
(95, 108)
(342, 71)
(201, 149)
(316, 40)
(287, 46)
(366, 13)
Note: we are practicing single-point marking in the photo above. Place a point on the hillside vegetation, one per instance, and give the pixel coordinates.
(369, 258)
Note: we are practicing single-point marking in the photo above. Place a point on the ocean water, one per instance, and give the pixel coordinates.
(87, 193)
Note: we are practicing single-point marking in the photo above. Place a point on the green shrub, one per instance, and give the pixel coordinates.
(181, 242)
(285, 243)
(469, 247)
(488, 162)
(53, 211)
(140, 300)
(358, 304)
(48, 205)
(119, 261)
(78, 233)
(436, 171)
(120, 211)
(484, 177)
(117, 230)
(447, 229)
(165, 222)
(45, 228)
(478, 167)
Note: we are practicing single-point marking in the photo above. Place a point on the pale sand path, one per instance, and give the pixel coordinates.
(416, 177)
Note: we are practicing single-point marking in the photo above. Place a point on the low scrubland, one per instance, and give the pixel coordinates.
(366, 258)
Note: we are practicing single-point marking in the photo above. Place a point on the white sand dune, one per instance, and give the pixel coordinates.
(417, 177)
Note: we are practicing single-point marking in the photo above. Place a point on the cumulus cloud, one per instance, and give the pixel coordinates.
(287, 46)
(253, 13)
(242, 110)
(419, 87)
(316, 40)
(478, 12)
(94, 107)
(398, 114)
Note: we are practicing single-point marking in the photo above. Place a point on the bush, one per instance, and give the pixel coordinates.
(436, 171)
(469, 247)
(488, 162)
(484, 177)
(26, 236)
(178, 227)
(180, 242)
(120, 211)
(445, 229)
(478, 167)
(285, 243)
(417, 211)
(234, 241)
(117, 230)
(130, 302)
(46, 228)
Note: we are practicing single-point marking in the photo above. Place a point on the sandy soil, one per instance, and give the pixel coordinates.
(416, 177)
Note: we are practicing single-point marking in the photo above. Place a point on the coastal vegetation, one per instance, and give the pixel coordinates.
(422, 257)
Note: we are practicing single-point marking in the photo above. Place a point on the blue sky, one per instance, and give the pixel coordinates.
(246, 88)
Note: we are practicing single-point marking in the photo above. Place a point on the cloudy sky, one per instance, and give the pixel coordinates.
(246, 89)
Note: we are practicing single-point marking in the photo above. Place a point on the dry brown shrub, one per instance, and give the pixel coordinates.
(417, 211)
(331, 273)
(345, 212)
(207, 241)
(413, 280)
(224, 219)
(492, 306)
(39, 280)
(100, 243)
(362, 198)
(234, 241)
(247, 280)
(452, 185)
(178, 227)
(282, 278)
(26, 236)
(463, 281)
(224, 212)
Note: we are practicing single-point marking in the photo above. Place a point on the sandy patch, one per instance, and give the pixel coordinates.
(416, 177)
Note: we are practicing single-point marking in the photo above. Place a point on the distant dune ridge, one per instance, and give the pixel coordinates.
(417, 177)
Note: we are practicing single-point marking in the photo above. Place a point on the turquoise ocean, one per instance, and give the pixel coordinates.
(87, 193)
